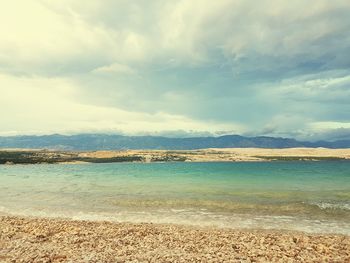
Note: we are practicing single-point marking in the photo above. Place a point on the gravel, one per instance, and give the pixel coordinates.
(58, 240)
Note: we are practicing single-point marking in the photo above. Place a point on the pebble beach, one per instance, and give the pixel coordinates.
(27, 239)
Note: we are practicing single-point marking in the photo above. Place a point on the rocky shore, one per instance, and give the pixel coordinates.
(58, 240)
(27, 156)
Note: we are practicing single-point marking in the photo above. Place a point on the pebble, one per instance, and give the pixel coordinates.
(56, 240)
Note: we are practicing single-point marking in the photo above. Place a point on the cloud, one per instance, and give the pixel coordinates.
(332, 134)
(326, 87)
(264, 67)
(115, 68)
(190, 32)
(39, 105)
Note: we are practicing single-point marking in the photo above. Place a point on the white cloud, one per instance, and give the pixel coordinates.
(115, 68)
(326, 125)
(330, 86)
(40, 39)
(50, 105)
(37, 33)
(32, 34)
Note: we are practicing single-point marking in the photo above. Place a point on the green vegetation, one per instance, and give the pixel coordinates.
(36, 157)
(299, 158)
(22, 157)
(169, 158)
(117, 159)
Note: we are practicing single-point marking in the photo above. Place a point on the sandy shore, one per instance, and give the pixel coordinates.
(56, 240)
(226, 154)
(26, 156)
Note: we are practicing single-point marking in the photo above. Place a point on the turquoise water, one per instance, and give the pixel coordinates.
(308, 196)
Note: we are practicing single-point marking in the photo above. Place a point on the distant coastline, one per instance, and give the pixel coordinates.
(107, 142)
(39, 156)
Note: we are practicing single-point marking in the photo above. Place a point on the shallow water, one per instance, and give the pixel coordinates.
(307, 196)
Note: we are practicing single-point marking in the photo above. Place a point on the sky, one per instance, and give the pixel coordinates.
(176, 68)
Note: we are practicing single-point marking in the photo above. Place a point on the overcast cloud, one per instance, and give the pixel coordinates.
(279, 68)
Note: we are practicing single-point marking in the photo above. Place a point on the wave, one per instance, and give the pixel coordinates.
(331, 206)
(193, 217)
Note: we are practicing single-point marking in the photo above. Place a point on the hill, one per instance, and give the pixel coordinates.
(116, 142)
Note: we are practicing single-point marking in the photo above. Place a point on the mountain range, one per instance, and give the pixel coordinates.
(117, 142)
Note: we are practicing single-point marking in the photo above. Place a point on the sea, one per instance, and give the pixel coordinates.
(309, 196)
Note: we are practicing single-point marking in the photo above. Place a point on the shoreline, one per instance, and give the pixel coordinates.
(37, 156)
(32, 239)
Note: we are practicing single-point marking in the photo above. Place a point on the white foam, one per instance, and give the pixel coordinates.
(325, 205)
(195, 217)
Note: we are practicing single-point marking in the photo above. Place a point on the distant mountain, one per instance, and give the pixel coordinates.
(114, 142)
